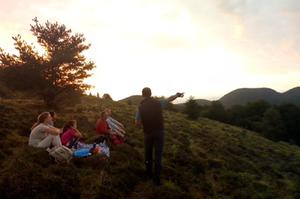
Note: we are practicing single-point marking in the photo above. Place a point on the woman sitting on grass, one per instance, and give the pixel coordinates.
(42, 134)
(70, 135)
(103, 129)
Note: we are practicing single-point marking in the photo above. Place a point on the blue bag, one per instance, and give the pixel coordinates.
(84, 152)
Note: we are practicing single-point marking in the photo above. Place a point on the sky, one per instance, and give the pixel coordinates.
(205, 48)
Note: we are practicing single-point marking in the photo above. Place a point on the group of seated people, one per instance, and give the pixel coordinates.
(45, 135)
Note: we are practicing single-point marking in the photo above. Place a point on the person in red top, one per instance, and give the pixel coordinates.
(102, 128)
(105, 132)
(70, 134)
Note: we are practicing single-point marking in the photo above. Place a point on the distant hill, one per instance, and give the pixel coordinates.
(133, 100)
(239, 97)
(203, 102)
(244, 95)
(292, 96)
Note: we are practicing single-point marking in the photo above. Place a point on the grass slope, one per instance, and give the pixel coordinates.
(202, 159)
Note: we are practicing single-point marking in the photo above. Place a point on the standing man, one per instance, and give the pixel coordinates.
(149, 115)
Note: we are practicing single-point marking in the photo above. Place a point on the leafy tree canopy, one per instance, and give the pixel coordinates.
(60, 68)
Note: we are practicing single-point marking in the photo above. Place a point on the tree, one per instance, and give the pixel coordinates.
(236, 115)
(216, 111)
(290, 114)
(257, 108)
(60, 70)
(273, 127)
(23, 72)
(192, 109)
(106, 96)
(254, 113)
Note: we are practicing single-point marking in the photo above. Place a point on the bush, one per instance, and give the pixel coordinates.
(192, 109)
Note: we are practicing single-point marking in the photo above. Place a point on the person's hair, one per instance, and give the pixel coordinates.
(52, 113)
(146, 92)
(41, 119)
(103, 113)
(107, 110)
(68, 125)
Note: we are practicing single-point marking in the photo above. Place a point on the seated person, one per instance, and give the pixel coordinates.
(103, 129)
(70, 135)
(114, 125)
(51, 122)
(43, 135)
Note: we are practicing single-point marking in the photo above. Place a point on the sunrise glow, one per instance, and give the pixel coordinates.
(204, 49)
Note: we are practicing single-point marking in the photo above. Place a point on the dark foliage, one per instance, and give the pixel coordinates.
(58, 72)
(192, 109)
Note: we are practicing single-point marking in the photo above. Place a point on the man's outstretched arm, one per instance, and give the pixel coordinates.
(173, 97)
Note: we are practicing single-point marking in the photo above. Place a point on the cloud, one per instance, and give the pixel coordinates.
(264, 34)
(270, 32)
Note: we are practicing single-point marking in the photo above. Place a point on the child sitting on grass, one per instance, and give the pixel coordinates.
(70, 135)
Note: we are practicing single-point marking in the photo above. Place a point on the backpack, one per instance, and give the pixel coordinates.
(61, 154)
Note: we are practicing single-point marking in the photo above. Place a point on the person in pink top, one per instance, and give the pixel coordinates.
(70, 134)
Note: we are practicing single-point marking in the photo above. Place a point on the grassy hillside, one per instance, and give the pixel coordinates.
(202, 159)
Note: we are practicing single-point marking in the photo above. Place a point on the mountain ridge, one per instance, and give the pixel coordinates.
(242, 96)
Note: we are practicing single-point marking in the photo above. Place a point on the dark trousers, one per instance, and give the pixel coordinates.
(154, 142)
(73, 142)
(102, 138)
